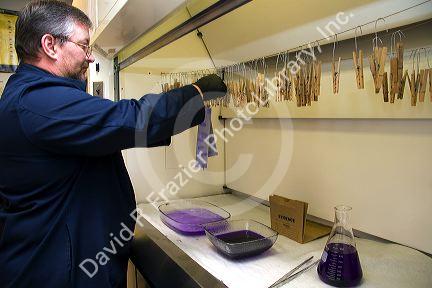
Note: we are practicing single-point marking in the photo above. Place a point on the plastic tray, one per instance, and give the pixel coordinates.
(240, 238)
(190, 216)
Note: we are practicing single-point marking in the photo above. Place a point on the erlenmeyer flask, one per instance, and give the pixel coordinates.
(340, 264)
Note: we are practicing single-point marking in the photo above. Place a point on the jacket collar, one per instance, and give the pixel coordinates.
(28, 68)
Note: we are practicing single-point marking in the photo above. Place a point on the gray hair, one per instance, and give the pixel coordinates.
(45, 17)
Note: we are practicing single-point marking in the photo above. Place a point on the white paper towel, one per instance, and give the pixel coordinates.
(383, 264)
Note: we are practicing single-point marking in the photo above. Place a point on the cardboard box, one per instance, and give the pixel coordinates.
(288, 218)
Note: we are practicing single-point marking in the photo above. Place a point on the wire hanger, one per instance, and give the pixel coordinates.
(376, 38)
(355, 36)
(358, 60)
(393, 41)
(335, 68)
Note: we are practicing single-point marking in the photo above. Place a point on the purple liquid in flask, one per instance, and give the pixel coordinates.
(340, 263)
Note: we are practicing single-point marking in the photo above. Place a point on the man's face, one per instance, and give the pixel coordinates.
(73, 61)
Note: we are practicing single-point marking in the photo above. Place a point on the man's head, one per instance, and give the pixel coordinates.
(54, 36)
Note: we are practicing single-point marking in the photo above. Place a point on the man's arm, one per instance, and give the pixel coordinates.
(68, 121)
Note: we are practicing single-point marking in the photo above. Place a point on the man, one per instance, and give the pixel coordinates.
(64, 189)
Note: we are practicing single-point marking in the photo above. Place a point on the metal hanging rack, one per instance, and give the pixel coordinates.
(316, 43)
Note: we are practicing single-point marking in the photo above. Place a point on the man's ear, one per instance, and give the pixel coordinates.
(49, 47)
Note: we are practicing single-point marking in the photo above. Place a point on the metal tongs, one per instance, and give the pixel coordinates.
(292, 273)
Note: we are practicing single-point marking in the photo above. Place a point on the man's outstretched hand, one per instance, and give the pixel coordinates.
(212, 87)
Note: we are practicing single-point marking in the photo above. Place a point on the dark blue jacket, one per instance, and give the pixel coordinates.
(65, 194)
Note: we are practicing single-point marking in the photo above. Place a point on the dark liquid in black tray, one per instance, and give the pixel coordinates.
(239, 236)
(244, 243)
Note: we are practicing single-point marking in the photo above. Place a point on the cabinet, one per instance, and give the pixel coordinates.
(134, 278)
(103, 8)
(117, 23)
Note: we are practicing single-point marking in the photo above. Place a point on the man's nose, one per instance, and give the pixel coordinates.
(90, 58)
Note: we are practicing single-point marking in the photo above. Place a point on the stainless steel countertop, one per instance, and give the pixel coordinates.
(168, 259)
(163, 264)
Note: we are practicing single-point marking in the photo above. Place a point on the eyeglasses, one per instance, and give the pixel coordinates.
(87, 48)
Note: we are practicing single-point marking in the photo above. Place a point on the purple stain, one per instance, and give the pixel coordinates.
(206, 141)
(340, 265)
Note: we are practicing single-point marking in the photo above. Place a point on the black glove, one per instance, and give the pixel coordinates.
(212, 87)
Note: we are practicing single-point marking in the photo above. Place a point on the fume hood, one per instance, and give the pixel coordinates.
(350, 147)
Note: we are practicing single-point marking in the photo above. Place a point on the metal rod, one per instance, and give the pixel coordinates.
(116, 80)
(303, 270)
(200, 35)
(287, 275)
(9, 12)
(209, 14)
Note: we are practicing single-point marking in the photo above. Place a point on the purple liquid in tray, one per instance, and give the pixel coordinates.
(190, 220)
(239, 236)
(239, 244)
(340, 265)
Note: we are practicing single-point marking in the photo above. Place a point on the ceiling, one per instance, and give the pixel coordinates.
(17, 5)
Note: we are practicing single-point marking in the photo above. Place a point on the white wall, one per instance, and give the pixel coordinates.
(151, 169)
(106, 69)
(379, 167)
(105, 74)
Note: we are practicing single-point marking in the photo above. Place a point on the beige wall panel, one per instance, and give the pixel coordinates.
(379, 167)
